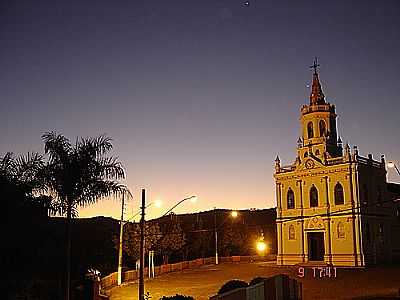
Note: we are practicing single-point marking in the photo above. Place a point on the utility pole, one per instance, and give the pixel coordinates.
(141, 267)
(121, 234)
(216, 235)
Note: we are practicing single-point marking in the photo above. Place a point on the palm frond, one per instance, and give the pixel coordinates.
(95, 147)
(111, 168)
(56, 145)
(102, 189)
(28, 166)
(7, 165)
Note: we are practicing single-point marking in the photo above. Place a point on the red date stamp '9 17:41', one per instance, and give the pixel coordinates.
(318, 272)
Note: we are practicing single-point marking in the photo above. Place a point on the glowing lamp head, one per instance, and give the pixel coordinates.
(234, 214)
(158, 203)
(390, 164)
(193, 199)
(261, 246)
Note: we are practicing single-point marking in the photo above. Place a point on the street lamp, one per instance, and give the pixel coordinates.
(192, 199)
(158, 204)
(142, 226)
(392, 165)
(233, 214)
(261, 246)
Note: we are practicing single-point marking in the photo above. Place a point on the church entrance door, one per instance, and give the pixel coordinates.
(316, 249)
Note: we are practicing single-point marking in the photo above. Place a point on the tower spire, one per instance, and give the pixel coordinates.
(317, 96)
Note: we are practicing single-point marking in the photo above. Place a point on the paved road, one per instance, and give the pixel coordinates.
(203, 282)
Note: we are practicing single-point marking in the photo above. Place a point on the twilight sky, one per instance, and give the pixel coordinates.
(199, 96)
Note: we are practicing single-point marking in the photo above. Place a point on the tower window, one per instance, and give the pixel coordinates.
(340, 231)
(339, 196)
(310, 130)
(322, 128)
(292, 233)
(313, 196)
(290, 199)
(306, 154)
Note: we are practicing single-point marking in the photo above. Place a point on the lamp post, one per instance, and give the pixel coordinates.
(121, 234)
(142, 226)
(141, 252)
(392, 165)
(216, 235)
(233, 214)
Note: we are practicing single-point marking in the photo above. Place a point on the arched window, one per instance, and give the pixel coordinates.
(339, 196)
(290, 199)
(313, 196)
(292, 233)
(306, 154)
(317, 152)
(341, 234)
(310, 130)
(322, 128)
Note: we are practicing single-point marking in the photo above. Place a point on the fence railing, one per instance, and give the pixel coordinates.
(111, 280)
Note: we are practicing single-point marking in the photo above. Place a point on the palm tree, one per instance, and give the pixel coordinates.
(20, 181)
(78, 175)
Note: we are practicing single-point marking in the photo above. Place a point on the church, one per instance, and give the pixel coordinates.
(334, 206)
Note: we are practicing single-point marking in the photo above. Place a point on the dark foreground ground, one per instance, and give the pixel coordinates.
(203, 282)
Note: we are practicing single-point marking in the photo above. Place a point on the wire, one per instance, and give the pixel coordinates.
(335, 213)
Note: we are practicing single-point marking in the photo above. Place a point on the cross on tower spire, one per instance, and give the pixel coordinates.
(315, 65)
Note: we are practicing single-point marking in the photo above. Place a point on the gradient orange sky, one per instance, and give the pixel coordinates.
(198, 96)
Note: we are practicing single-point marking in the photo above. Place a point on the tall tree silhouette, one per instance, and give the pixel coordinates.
(173, 239)
(77, 175)
(21, 184)
(132, 239)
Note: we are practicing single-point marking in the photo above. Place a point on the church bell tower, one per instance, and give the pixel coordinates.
(318, 125)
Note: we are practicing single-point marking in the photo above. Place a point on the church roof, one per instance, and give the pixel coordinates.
(317, 96)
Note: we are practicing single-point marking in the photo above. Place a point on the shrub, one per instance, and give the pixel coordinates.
(256, 280)
(232, 285)
(177, 297)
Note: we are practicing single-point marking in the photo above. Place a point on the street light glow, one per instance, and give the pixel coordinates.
(234, 214)
(261, 246)
(193, 199)
(390, 164)
(158, 203)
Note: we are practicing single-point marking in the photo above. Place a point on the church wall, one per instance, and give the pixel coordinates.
(377, 213)
(343, 242)
(395, 224)
(341, 248)
(292, 242)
